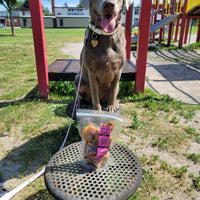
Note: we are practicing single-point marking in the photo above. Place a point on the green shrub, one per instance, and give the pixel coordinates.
(126, 89)
(62, 88)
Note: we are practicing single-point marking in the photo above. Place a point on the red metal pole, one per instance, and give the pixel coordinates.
(182, 30)
(128, 32)
(171, 7)
(40, 47)
(173, 30)
(170, 34)
(177, 28)
(177, 23)
(142, 46)
(155, 19)
(182, 25)
(198, 33)
(161, 31)
(186, 31)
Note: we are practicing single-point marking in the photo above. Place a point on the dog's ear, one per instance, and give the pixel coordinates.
(85, 3)
(128, 3)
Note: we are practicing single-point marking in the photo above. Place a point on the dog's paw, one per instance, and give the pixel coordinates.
(97, 107)
(113, 108)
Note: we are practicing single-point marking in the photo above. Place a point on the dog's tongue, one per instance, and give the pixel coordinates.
(108, 24)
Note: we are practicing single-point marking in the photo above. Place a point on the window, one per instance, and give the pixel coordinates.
(61, 22)
(69, 11)
(58, 13)
(136, 11)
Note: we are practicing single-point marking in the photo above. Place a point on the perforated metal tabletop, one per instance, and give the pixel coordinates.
(68, 177)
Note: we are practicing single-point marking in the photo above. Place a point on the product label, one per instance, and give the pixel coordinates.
(100, 153)
(105, 130)
(103, 141)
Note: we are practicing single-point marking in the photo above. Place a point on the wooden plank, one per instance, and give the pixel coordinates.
(66, 70)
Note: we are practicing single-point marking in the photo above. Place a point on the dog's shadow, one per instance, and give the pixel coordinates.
(61, 111)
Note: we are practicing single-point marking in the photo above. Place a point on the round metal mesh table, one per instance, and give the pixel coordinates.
(67, 176)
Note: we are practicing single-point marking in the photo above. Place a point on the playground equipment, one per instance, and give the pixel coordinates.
(191, 10)
(159, 25)
(174, 11)
(66, 69)
(152, 14)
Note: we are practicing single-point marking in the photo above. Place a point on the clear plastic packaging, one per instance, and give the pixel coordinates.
(98, 129)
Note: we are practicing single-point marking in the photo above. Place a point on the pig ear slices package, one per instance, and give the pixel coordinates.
(98, 129)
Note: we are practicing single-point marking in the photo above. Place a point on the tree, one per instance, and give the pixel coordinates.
(46, 11)
(9, 5)
(79, 5)
(18, 5)
(65, 5)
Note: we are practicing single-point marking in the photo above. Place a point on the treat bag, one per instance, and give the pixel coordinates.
(98, 129)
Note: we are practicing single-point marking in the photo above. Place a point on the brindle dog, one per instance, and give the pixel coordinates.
(104, 56)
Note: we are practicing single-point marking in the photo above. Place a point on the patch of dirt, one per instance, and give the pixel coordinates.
(72, 49)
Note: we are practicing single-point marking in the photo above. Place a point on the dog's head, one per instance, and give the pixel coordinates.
(105, 13)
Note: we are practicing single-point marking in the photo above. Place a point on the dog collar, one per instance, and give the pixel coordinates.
(100, 31)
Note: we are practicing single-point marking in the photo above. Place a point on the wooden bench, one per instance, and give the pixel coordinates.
(66, 70)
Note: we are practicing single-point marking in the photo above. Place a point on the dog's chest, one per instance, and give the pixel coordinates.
(106, 59)
(105, 65)
(106, 56)
(107, 74)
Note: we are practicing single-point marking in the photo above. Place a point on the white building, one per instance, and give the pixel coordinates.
(72, 17)
(81, 12)
(69, 12)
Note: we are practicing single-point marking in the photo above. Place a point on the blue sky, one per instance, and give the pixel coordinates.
(60, 3)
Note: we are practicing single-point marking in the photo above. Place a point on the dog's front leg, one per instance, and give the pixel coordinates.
(94, 88)
(113, 106)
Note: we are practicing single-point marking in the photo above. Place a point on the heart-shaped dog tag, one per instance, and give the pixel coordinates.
(94, 43)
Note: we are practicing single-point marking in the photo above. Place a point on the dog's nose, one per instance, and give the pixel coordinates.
(108, 5)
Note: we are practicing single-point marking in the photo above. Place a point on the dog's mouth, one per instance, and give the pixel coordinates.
(108, 22)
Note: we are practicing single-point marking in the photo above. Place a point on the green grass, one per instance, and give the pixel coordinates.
(194, 157)
(196, 182)
(17, 61)
(36, 127)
